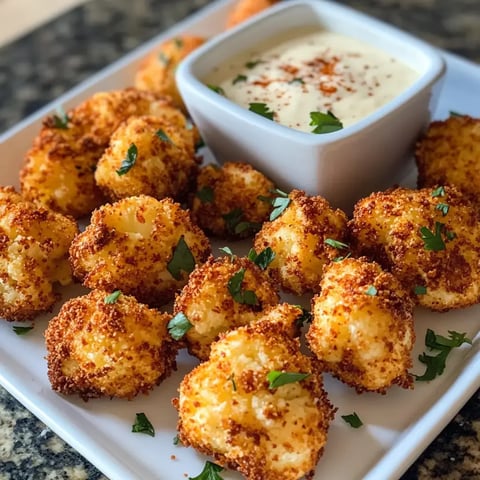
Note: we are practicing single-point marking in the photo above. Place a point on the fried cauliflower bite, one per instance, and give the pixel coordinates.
(207, 300)
(244, 9)
(448, 154)
(116, 348)
(164, 161)
(429, 239)
(362, 326)
(141, 246)
(298, 237)
(227, 409)
(227, 203)
(157, 71)
(34, 244)
(58, 171)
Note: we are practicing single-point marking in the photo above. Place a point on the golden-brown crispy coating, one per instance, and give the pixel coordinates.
(58, 170)
(227, 410)
(119, 349)
(244, 9)
(210, 307)
(129, 245)
(362, 328)
(34, 244)
(298, 237)
(165, 164)
(227, 203)
(449, 153)
(157, 71)
(389, 226)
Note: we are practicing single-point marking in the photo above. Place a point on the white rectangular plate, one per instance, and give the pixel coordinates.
(397, 426)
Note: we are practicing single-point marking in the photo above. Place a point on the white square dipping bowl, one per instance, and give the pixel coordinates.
(343, 166)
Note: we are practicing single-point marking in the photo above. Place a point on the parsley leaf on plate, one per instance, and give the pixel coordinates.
(247, 297)
(182, 259)
(178, 326)
(277, 379)
(209, 472)
(143, 425)
(129, 160)
(112, 297)
(353, 420)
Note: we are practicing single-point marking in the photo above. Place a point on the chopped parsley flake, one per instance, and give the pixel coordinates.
(296, 80)
(438, 192)
(227, 251)
(262, 259)
(217, 89)
(247, 297)
(371, 290)
(235, 223)
(205, 194)
(163, 136)
(253, 63)
(336, 244)
(178, 326)
(277, 379)
(182, 259)
(113, 297)
(433, 240)
(443, 207)
(324, 122)
(178, 42)
(129, 160)
(176, 440)
(142, 425)
(232, 379)
(21, 330)
(261, 109)
(279, 203)
(456, 114)
(61, 119)
(239, 78)
(353, 420)
(435, 364)
(209, 472)
(420, 290)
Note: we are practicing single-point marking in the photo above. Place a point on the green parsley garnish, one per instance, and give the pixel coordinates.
(261, 109)
(433, 240)
(163, 136)
(205, 194)
(176, 440)
(129, 160)
(279, 203)
(227, 251)
(297, 80)
(336, 244)
(324, 122)
(178, 326)
(342, 257)
(353, 420)
(371, 290)
(239, 78)
(199, 144)
(22, 330)
(443, 207)
(419, 289)
(436, 364)
(142, 425)
(178, 42)
(262, 259)
(182, 259)
(305, 317)
(438, 192)
(209, 472)
(217, 89)
(112, 298)
(456, 114)
(253, 63)
(232, 379)
(247, 297)
(235, 224)
(61, 119)
(277, 379)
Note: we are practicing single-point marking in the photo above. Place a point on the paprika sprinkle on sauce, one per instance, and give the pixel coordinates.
(314, 71)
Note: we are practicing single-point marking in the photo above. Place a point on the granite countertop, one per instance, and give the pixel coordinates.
(42, 65)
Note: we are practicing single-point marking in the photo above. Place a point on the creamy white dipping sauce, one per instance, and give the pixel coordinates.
(313, 71)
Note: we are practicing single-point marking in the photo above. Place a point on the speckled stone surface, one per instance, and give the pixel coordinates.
(44, 64)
